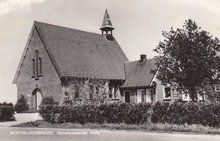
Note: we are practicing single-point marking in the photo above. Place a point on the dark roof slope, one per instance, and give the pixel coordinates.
(83, 54)
(138, 74)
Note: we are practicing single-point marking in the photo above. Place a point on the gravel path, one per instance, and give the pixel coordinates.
(21, 118)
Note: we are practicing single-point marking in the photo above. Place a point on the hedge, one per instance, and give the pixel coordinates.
(6, 112)
(207, 114)
(104, 113)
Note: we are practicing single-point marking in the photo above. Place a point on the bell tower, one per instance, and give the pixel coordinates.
(107, 27)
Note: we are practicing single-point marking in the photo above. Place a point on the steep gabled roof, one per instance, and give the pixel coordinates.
(76, 53)
(138, 74)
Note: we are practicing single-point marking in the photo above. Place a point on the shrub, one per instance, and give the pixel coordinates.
(90, 113)
(203, 113)
(49, 109)
(6, 112)
(209, 114)
(181, 113)
(49, 100)
(160, 111)
(21, 105)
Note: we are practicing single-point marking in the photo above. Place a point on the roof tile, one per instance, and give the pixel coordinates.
(83, 54)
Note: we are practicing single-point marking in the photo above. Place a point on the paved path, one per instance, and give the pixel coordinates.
(55, 134)
(21, 118)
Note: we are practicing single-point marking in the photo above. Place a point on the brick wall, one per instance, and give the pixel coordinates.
(49, 83)
(159, 91)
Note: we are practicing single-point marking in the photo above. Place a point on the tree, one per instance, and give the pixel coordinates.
(21, 105)
(188, 58)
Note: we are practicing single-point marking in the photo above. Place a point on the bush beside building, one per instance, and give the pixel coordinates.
(21, 105)
(203, 113)
(6, 112)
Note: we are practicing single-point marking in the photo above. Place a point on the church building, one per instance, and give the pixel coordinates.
(68, 63)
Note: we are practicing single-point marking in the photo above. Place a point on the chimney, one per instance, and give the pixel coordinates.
(142, 58)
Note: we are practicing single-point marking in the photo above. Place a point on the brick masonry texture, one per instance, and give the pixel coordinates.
(49, 83)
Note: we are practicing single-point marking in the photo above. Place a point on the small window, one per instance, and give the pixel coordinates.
(110, 95)
(117, 93)
(91, 88)
(167, 93)
(36, 53)
(113, 93)
(185, 97)
(152, 95)
(40, 67)
(217, 88)
(33, 68)
(142, 96)
(201, 97)
(76, 95)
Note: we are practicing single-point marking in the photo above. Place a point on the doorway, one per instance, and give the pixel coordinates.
(36, 99)
(127, 96)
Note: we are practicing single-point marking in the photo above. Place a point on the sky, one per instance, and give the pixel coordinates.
(138, 25)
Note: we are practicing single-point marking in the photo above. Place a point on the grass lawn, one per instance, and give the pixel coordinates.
(149, 127)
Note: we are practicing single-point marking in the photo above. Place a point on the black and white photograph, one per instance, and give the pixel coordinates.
(110, 70)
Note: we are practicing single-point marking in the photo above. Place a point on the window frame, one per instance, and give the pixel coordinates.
(164, 94)
(142, 96)
(40, 67)
(36, 62)
(185, 97)
(33, 68)
(152, 95)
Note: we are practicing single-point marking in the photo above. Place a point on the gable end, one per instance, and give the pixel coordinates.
(34, 28)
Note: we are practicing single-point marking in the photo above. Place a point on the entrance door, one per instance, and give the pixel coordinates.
(38, 98)
(127, 96)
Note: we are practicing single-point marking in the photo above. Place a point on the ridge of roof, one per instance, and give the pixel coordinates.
(38, 22)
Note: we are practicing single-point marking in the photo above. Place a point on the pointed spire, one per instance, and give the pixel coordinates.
(106, 24)
(106, 21)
